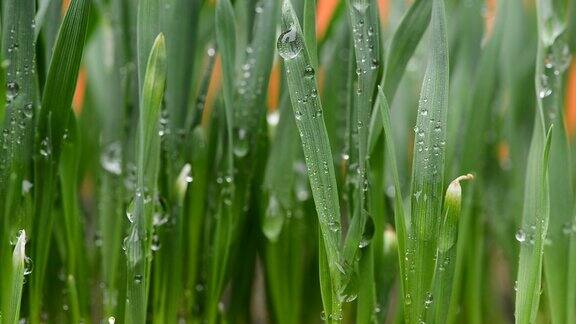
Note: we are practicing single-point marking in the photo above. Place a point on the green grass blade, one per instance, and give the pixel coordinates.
(138, 247)
(253, 82)
(280, 185)
(195, 208)
(52, 124)
(308, 112)
(12, 296)
(553, 61)
(309, 29)
(225, 218)
(399, 214)
(473, 147)
(148, 27)
(365, 34)
(18, 97)
(402, 47)
(107, 89)
(428, 168)
(75, 259)
(19, 53)
(403, 44)
(180, 23)
(226, 40)
(41, 15)
(535, 218)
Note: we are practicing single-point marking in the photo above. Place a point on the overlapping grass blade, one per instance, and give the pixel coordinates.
(194, 209)
(535, 217)
(365, 26)
(279, 186)
(140, 211)
(148, 27)
(309, 29)
(52, 124)
(308, 112)
(219, 259)
(108, 91)
(179, 20)
(403, 44)
(553, 61)
(428, 170)
(473, 146)
(249, 112)
(399, 214)
(402, 47)
(226, 40)
(75, 261)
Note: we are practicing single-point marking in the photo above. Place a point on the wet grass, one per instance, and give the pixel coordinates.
(294, 161)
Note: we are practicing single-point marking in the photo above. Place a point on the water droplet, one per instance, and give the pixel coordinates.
(45, 149)
(259, 8)
(290, 43)
(130, 211)
(26, 186)
(417, 194)
(368, 234)
(360, 5)
(12, 89)
(28, 266)
(242, 145)
(298, 115)
(28, 111)
(273, 118)
(568, 228)
(334, 225)
(155, 246)
(138, 278)
(408, 299)
(429, 300)
(308, 72)
(544, 92)
(273, 220)
(111, 158)
(520, 236)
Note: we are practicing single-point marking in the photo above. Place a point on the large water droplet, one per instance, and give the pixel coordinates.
(290, 43)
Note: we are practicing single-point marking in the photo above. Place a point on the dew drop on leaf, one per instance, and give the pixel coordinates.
(290, 43)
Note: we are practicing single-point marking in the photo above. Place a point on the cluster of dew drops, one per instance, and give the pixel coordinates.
(556, 61)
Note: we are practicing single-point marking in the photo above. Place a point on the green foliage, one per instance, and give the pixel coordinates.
(240, 161)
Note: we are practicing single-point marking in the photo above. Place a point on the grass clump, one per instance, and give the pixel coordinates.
(294, 161)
